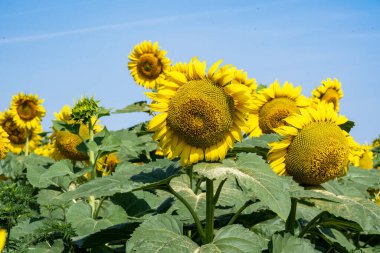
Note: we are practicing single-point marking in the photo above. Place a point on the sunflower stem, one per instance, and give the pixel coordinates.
(217, 193)
(27, 133)
(241, 209)
(91, 153)
(191, 210)
(291, 220)
(311, 224)
(96, 213)
(210, 208)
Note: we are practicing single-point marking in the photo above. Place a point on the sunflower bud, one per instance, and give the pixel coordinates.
(84, 109)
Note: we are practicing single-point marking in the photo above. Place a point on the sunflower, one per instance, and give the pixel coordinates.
(4, 143)
(17, 134)
(363, 156)
(314, 149)
(148, 64)
(329, 91)
(107, 163)
(272, 105)
(45, 150)
(200, 114)
(27, 110)
(63, 148)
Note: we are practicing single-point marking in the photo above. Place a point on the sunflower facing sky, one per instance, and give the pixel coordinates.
(17, 134)
(314, 149)
(329, 91)
(148, 64)
(27, 110)
(272, 105)
(200, 114)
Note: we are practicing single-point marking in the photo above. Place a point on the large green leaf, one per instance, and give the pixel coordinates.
(235, 239)
(46, 247)
(288, 243)
(140, 106)
(116, 233)
(262, 142)
(80, 216)
(335, 236)
(160, 234)
(255, 177)
(126, 179)
(361, 211)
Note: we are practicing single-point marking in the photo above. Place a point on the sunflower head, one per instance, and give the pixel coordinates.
(27, 110)
(45, 150)
(362, 156)
(314, 149)
(148, 64)
(201, 113)
(67, 143)
(107, 163)
(330, 91)
(272, 105)
(17, 134)
(64, 114)
(84, 109)
(4, 143)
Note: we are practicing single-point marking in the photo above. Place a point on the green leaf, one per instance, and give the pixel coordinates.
(267, 228)
(288, 243)
(59, 174)
(126, 179)
(63, 125)
(361, 211)
(262, 142)
(160, 234)
(140, 106)
(255, 177)
(139, 203)
(115, 233)
(347, 126)
(45, 247)
(80, 216)
(235, 239)
(336, 236)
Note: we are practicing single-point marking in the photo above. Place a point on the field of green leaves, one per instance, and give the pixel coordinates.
(224, 165)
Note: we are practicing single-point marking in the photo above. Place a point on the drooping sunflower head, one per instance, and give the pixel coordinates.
(330, 91)
(107, 163)
(314, 149)
(148, 64)
(17, 134)
(67, 143)
(4, 143)
(27, 110)
(201, 113)
(272, 105)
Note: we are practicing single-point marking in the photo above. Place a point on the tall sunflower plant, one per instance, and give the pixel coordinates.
(224, 165)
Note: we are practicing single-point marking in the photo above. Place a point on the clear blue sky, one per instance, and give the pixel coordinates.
(62, 50)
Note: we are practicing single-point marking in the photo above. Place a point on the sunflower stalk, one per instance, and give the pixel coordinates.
(210, 210)
(241, 209)
(291, 220)
(312, 224)
(27, 133)
(91, 153)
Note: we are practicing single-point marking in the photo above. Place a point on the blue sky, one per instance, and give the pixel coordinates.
(62, 50)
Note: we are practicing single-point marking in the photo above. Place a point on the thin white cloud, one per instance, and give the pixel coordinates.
(132, 24)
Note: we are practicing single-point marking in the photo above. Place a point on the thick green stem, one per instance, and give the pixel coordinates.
(27, 133)
(236, 215)
(217, 193)
(290, 222)
(91, 153)
(311, 224)
(191, 210)
(96, 213)
(210, 208)
(189, 172)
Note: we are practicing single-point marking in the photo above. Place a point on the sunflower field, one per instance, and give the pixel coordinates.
(225, 164)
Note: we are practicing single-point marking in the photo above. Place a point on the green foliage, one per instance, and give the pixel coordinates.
(152, 204)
